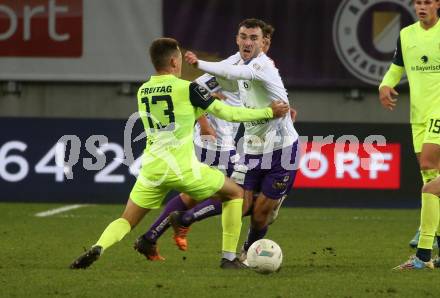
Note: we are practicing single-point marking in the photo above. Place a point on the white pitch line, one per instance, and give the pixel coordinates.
(58, 210)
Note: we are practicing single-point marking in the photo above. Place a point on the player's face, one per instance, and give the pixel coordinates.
(266, 44)
(250, 42)
(426, 10)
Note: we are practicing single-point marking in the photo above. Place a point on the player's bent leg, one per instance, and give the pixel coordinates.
(161, 224)
(205, 182)
(180, 222)
(188, 201)
(147, 243)
(114, 233)
(208, 208)
(205, 209)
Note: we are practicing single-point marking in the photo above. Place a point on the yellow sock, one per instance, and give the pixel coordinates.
(114, 232)
(231, 223)
(438, 226)
(429, 220)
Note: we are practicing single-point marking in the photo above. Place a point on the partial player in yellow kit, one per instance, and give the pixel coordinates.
(418, 55)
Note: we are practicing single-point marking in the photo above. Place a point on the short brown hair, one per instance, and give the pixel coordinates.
(253, 23)
(161, 50)
(268, 31)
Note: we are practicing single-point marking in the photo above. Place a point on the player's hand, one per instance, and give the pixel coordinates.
(218, 95)
(386, 97)
(207, 133)
(279, 108)
(293, 113)
(191, 58)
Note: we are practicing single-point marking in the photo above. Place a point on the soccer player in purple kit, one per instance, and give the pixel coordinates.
(270, 146)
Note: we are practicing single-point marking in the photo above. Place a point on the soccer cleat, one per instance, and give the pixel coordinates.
(87, 259)
(243, 257)
(436, 262)
(148, 249)
(415, 241)
(414, 263)
(235, 264)
(180, 232)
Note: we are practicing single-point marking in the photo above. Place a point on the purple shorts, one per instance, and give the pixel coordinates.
(272, 174)
(222, 160)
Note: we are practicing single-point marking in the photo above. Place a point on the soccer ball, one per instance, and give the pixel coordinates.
(264, 256)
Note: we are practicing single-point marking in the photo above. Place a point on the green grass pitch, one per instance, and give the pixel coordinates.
(327, 253)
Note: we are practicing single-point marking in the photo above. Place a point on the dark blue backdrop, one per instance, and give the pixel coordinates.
(40, 135)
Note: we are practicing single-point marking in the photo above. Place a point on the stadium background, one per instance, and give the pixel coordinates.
(73, 67)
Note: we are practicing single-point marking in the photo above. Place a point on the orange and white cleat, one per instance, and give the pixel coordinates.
(180, 231)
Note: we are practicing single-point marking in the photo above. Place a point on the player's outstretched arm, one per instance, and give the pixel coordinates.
(202, 100)
(239, 114)
(231, 72)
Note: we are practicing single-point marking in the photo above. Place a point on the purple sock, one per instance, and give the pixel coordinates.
(162, 223)
(254, 235)
(201, 211)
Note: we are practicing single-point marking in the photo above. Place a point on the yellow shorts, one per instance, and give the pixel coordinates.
(200, 182)
(428, 132)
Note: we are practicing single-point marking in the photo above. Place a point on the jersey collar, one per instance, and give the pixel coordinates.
(249, 61)
(161, 78)
(432, 29)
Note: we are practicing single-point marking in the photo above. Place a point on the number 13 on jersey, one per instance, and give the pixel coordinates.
(160, 112)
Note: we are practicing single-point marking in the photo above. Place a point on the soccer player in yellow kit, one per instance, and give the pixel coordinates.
(212, 152)
(168, 108)
(418, 54)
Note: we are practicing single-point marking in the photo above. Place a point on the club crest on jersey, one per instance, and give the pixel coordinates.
(204, 94)
(365, 35)
(212, 83)
(279, 185)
